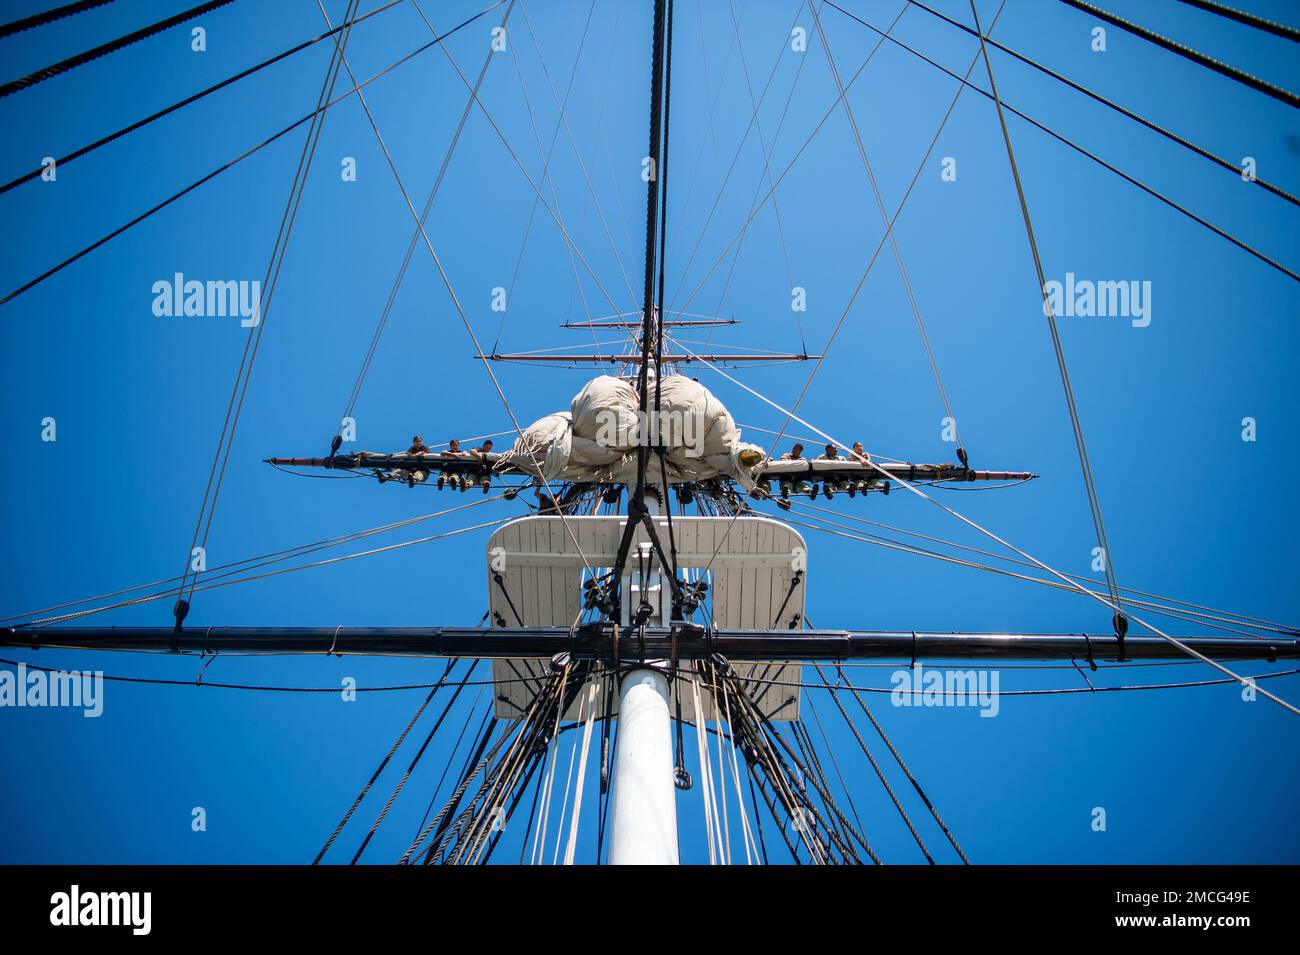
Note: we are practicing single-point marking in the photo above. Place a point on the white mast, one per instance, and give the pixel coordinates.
(643, 806)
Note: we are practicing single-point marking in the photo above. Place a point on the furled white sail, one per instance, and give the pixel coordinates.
(597, 439)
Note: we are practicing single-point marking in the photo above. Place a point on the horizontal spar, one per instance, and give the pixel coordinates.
(636, 359)
(810, 470)
(596, 642)
(674, 323)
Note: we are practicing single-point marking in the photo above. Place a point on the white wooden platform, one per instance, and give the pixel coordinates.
(751, 566)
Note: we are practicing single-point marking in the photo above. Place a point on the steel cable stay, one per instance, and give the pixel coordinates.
(197, 587)
(791, 416)
(1242, 77)
(893, 239)
(1040, 691)
(415, 760)
(186, 190)
(1173, 641)
(518, 163)
(401, 738)
(1097, 97)
(604, 131)
(563, 120)
(713, 209)
(758, 187)
(853, 297)
(515, 681)
(80, 59)
(1076, 589)
(922, 552)
(271, 557)
(841, 680)
(547, 177)
(709, 136)
(49, 16)
(546, 155)
(1185, 614)
(355, 395)
(212, 491)
(1249, 19)
(62, 161)
(763, 151)
(1111, 167)
(451, 756)
(1081, 446)
(758, 207)
(446, 280)
(265, 688)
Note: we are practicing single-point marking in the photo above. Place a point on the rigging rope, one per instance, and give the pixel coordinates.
(49, 16)
(1223, 617)
(62, 161)
(72, 62)
(879, 772)
(1155, 127)
(437, 261)
(411, 246)
(253, 342)
(271, 557)
(274, 573)
(1221, 233)
(240, 158)
(915, 489)
(1255, 83)
(563, 120)
(401, 783)
(893, 239)
(899, 759)
(791, 415)
(1085, 465)
(401, 738)
(1249, 19)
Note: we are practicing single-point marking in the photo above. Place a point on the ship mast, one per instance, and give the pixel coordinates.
(643, 806)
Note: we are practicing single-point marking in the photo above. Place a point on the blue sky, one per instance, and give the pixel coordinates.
(1192, 510)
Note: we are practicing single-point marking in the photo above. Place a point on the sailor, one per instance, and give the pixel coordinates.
(452, 478)
(546, 503)
(831, 485)
(861, 456)
(801, 486)
(411, 477)
(482, 452)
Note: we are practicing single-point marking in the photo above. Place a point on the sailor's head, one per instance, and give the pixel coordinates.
(830, 451)
(487, 445)
(417, 440)
(857, 447)
(454, 445)
(796, 451)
